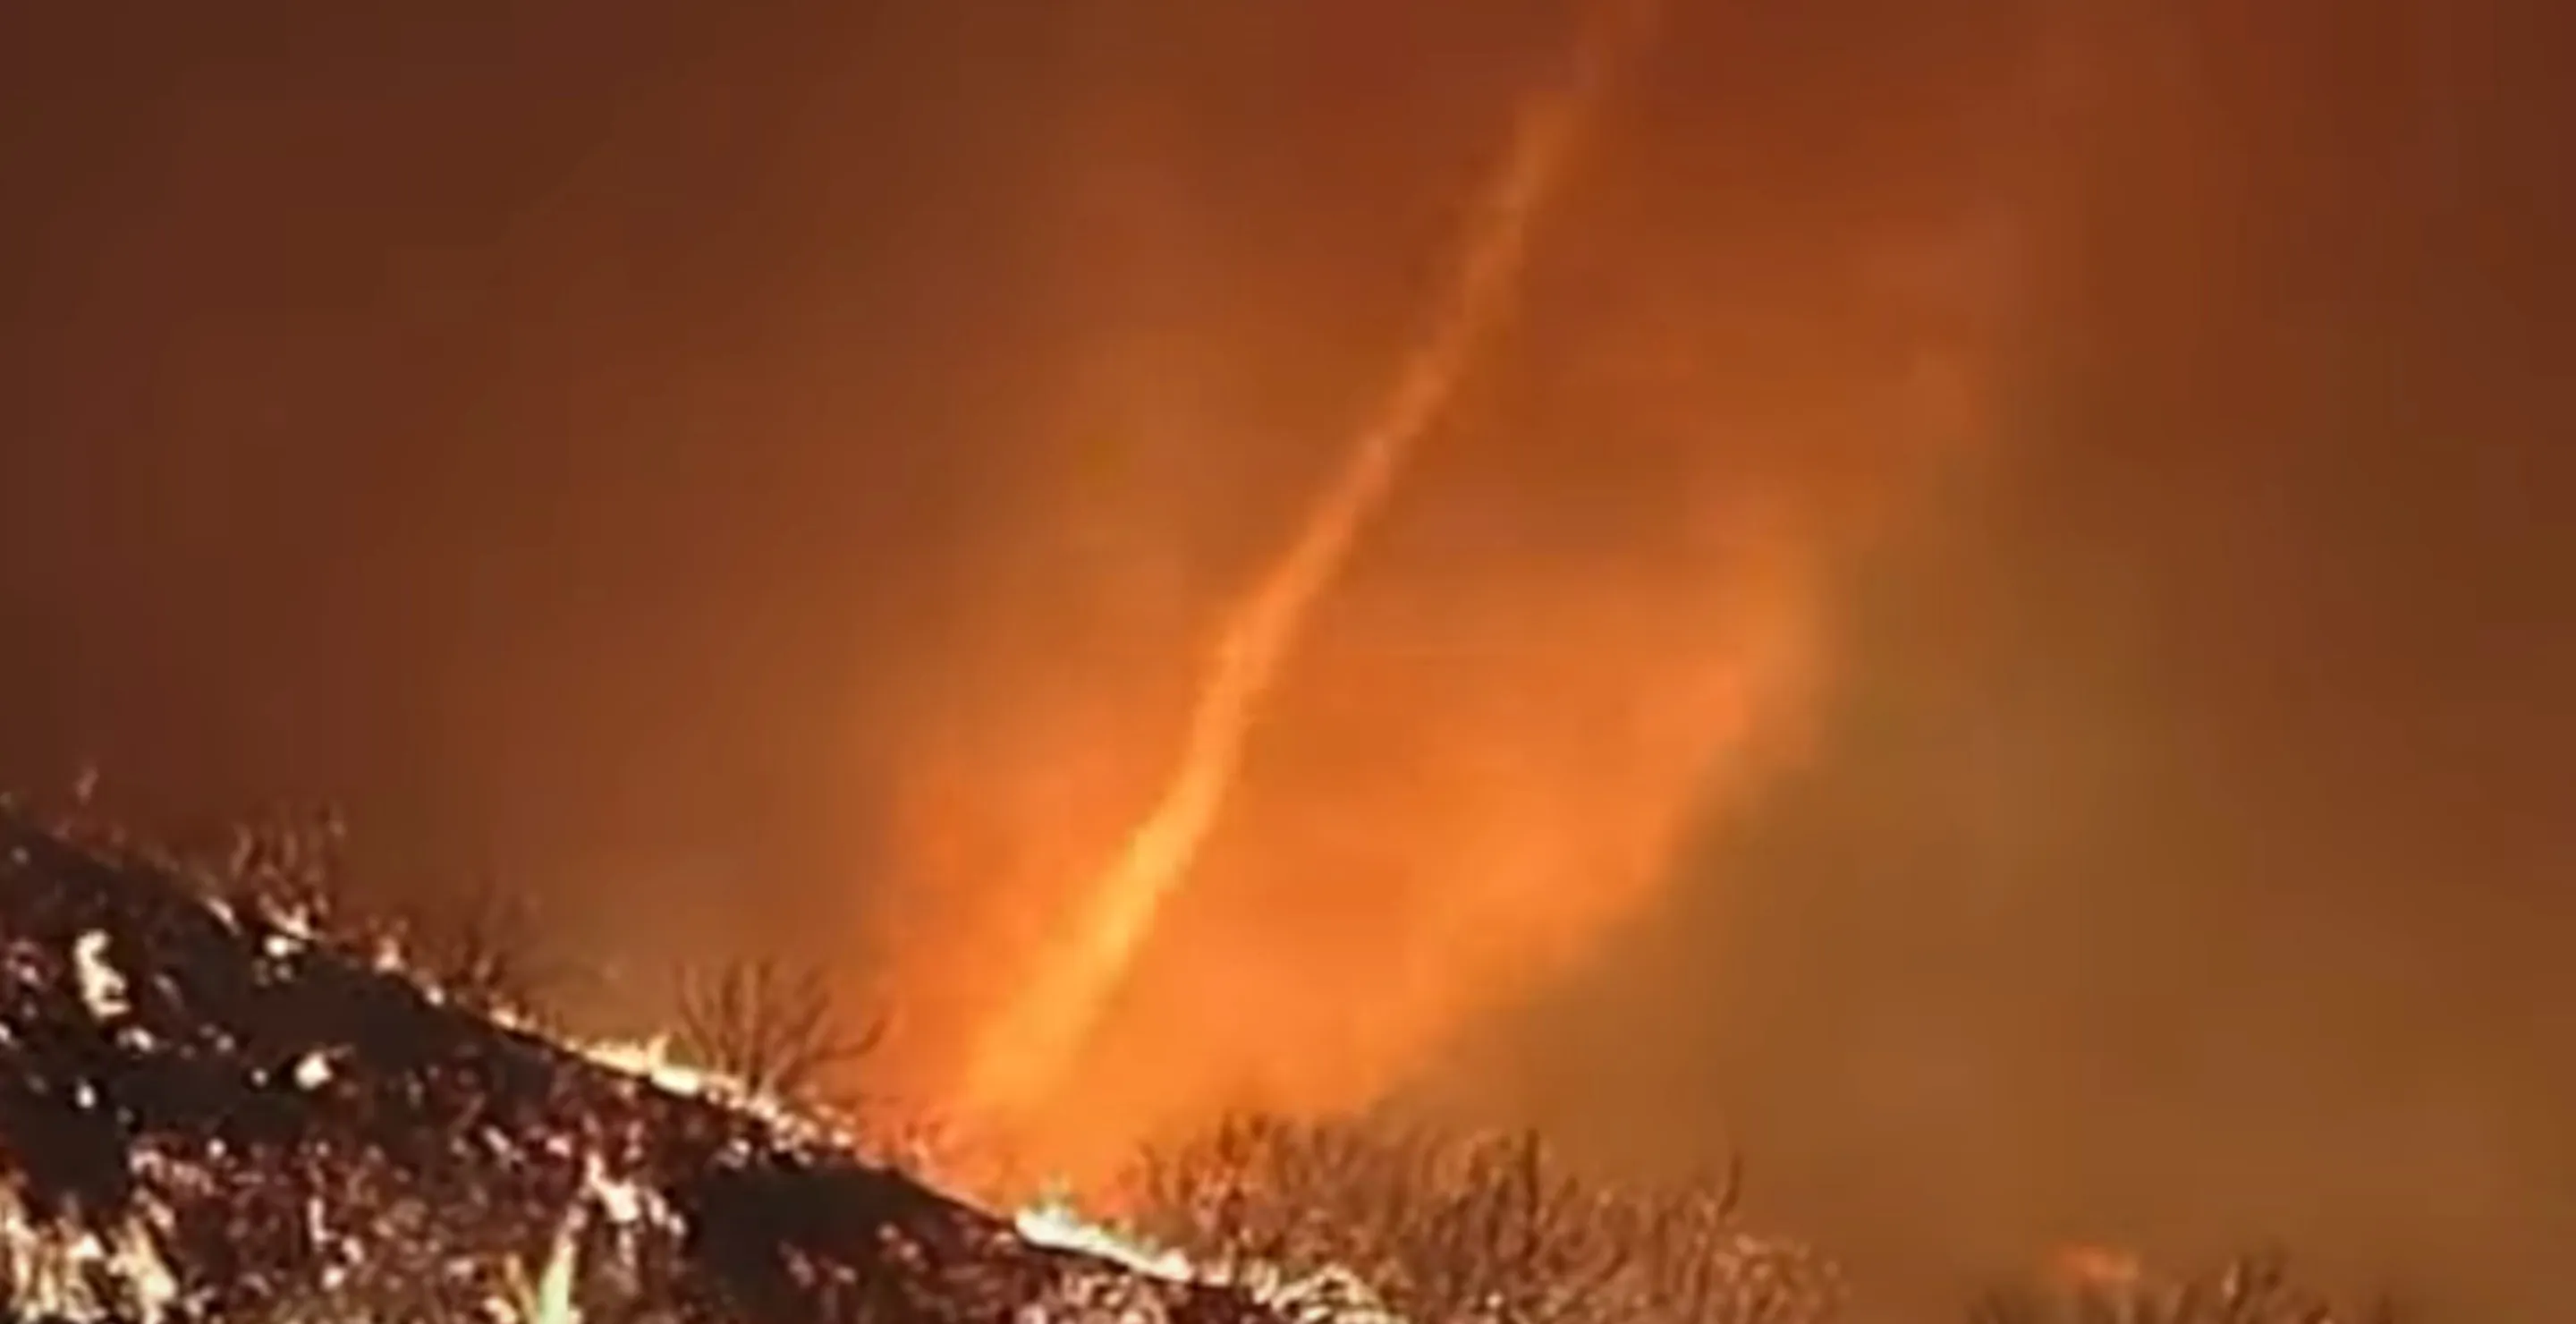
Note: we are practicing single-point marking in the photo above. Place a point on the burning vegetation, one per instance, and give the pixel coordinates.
(218, 1104)
(211, 1110)
(1457, 1228)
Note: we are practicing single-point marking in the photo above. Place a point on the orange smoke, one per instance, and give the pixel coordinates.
(1022, 1056)
(1404, 790)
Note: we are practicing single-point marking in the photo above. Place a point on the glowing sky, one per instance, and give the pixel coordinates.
(732, 461)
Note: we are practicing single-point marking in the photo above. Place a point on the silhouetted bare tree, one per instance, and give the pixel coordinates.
(289, 861)
(778, 1031)
(485, 945)
(1488, 1228)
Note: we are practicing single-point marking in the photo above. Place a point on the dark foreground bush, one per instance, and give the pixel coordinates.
(1486, 1229)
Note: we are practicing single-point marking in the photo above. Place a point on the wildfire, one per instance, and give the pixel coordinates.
(1477, 756)
(1330, 1296)
(1023, 1053)
(1054, 1221)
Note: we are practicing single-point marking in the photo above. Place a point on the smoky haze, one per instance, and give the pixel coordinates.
(681, 458)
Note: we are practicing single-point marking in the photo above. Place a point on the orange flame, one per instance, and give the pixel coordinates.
(1024, 1052)
(1488, 754)
(2095, 1268)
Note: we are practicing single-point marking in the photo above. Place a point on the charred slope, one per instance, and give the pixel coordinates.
(206, 1113)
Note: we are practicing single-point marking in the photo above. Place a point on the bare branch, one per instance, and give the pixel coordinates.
(484, 945)
(1483, 1229)
(777, 1031)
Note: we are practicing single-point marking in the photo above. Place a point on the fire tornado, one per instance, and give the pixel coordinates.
(1023, 1052)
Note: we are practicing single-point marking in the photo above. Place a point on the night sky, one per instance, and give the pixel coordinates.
(583, 440)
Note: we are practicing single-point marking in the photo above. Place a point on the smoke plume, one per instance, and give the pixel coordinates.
(1446, 740)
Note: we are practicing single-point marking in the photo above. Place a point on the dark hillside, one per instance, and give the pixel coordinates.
(208, 1113)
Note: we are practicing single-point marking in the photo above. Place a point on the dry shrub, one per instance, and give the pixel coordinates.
(778, 1031)
(483, 945)
(1486, 1228)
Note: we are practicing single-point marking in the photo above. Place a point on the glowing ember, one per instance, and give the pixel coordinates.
(57, 1271)
(1054, 1222)
(650, 1059)
(101, 985)
(1330, 1296)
